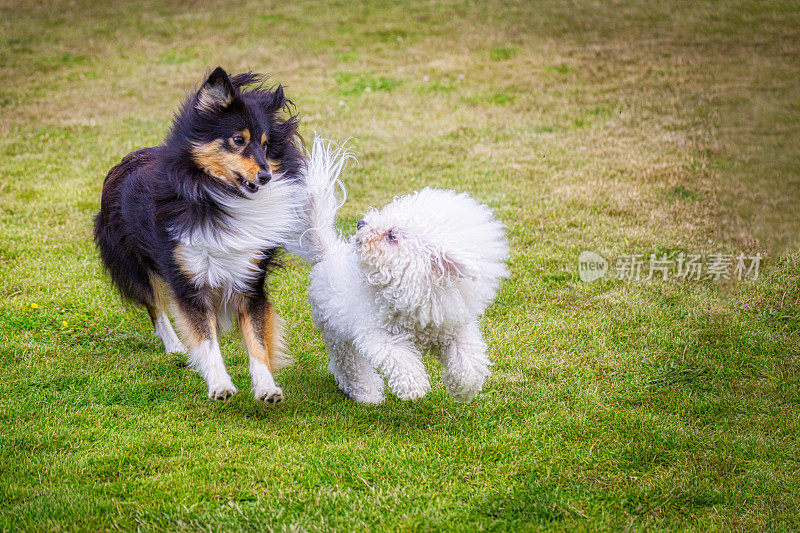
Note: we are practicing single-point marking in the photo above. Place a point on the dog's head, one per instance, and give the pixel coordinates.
(395, 253)
(236, 136)
(415, 272)
(434, 253)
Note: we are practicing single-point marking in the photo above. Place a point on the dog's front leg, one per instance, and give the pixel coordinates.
(198, 326)
(466, 363)
(399, 361)
(262, 333)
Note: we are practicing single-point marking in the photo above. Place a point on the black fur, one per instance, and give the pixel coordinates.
(156, 192)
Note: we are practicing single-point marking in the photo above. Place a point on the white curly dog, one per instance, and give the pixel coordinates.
(416, 276)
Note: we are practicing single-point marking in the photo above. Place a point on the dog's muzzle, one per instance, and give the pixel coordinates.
(249, 185)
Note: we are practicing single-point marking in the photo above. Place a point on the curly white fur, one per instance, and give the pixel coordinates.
(416, 275)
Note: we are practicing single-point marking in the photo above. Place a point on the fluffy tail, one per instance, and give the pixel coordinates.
(320, 236)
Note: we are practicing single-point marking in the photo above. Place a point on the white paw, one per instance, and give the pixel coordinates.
(221, 391)
(410, 387)
(409, 381)
(464, 388)
(411, 393)
(370, 397)
(465, 396)
(175, 347)
(272, 395)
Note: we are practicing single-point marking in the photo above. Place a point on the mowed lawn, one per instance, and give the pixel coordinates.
(617, 127)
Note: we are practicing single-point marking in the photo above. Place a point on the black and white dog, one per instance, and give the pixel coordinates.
(194, 225)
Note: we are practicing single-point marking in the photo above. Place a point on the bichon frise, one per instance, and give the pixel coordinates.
(416, 276)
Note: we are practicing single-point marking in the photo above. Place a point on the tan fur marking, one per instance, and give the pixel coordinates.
(161, 293)
(190, 332)
(251, 339)
(224, 164)
(177, 253)
(270, 349)
(263, 138)
(276, 346)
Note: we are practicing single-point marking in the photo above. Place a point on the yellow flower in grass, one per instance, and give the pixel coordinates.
(64, 323)
(34, 306)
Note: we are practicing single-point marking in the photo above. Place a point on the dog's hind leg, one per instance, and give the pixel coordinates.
(164, 331)
(198, 326)
(354, 374)
(262, 333)
(158, 316)
(138, 283)
(466, 363)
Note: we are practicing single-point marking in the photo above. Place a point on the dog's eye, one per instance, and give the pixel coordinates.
(391, 236)
(264, 145)
(238, 140)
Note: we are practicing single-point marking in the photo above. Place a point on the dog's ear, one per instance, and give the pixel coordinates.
(446, 266)
(276, 100)
(216, 93)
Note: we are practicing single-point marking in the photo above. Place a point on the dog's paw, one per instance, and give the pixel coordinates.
(221, 391)
(371, 397)
(269, 395)
(409, 390)
(410, 383)
(175, 347)
(466, 395)
(464, 388)
(408, 395)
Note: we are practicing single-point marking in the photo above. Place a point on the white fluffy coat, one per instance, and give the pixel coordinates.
(416, 276)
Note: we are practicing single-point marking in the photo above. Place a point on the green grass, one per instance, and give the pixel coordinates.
(624, 127)
(350, 84)
(499, 54)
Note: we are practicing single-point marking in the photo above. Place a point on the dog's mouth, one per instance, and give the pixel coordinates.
(247, 185)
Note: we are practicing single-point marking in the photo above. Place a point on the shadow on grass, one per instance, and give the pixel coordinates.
(315, 398)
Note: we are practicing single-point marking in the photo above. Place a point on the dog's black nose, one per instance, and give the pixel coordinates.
(264, 176)
(249, 185)
(360, 224)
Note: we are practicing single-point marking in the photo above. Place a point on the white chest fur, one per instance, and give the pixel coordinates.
(230, 270)
(225, 255)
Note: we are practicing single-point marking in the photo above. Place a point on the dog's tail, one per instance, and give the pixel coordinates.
(324, 165)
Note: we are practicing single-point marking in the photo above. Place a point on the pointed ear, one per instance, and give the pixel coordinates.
(278, 94)
(276, 100)
(216, 93)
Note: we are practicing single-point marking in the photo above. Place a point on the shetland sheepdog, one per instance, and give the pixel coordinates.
(194, 226)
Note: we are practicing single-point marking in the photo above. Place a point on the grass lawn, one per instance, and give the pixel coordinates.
(619, 127)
